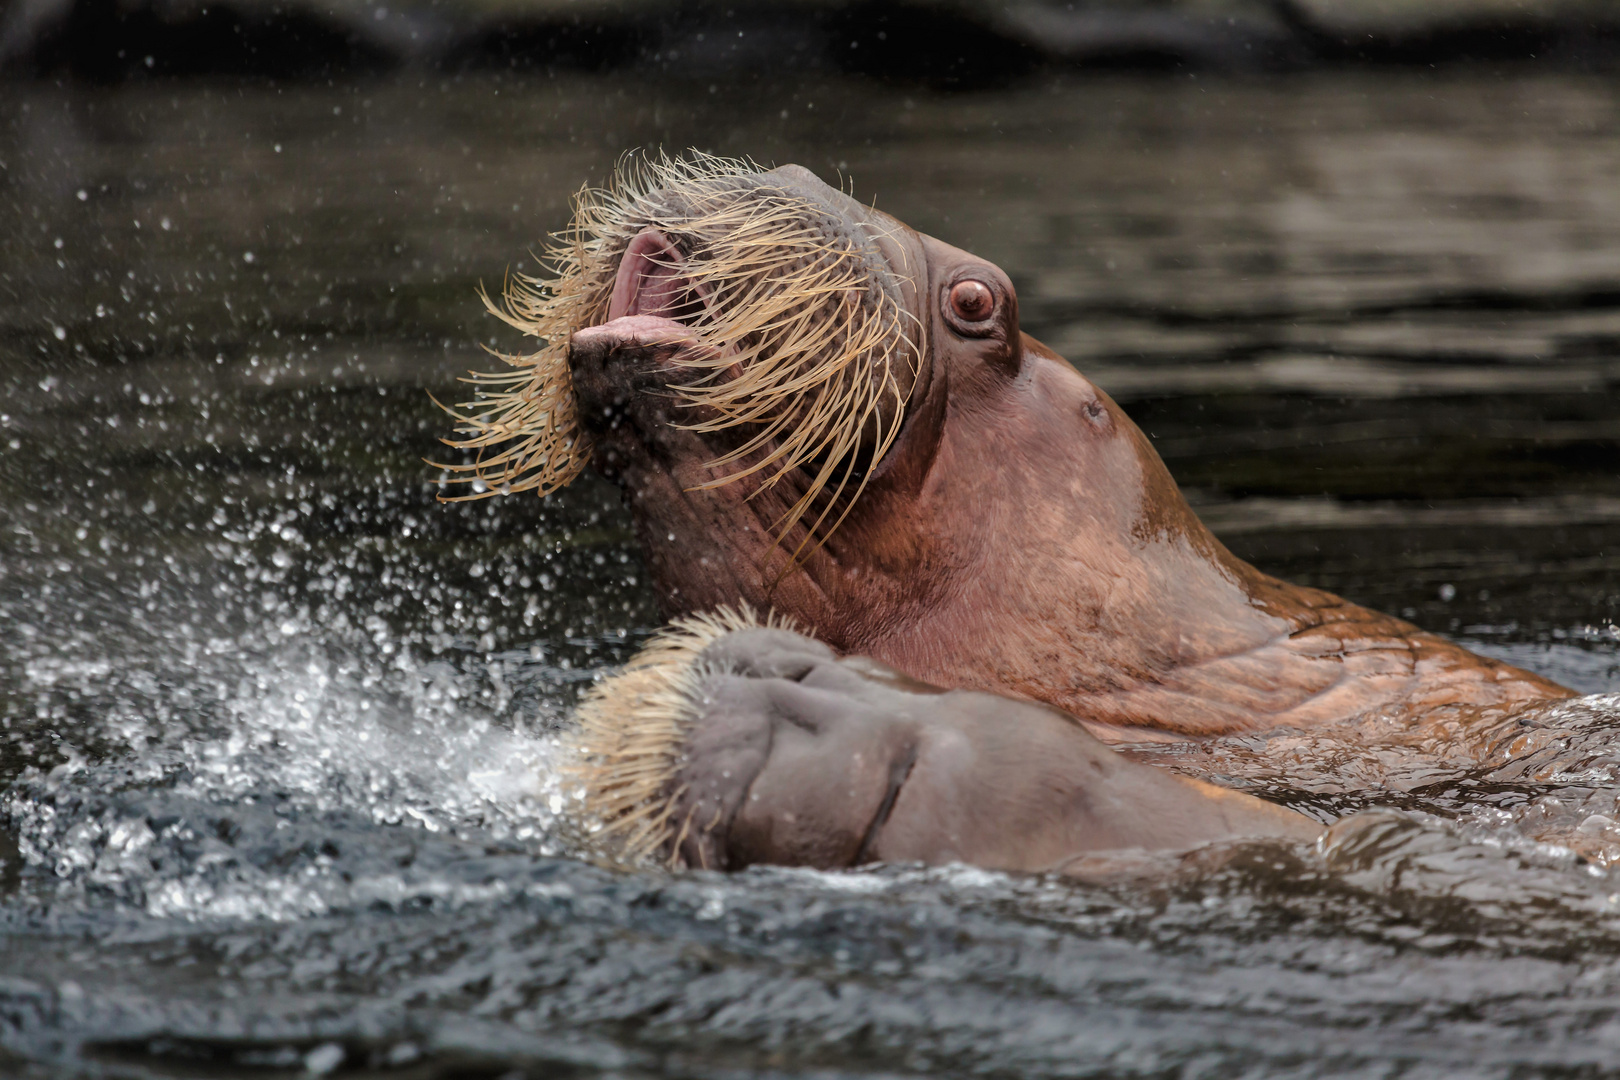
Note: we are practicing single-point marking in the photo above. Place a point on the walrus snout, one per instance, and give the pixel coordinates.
(793, 759)
(773, 317)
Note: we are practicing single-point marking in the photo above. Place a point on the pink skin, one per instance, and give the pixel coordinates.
(1020, 537)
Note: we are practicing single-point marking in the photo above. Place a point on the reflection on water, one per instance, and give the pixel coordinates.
(276, 725)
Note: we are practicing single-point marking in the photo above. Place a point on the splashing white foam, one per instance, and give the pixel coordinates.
(319, 724)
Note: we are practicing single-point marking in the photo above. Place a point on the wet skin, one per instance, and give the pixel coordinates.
(801, 758)
(1020, 537)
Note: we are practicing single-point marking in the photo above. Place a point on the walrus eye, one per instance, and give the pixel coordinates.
(972, 301)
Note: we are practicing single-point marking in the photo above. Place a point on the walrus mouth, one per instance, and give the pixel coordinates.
(800, 346)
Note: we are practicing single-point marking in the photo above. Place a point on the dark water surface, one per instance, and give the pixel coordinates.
(276, 724)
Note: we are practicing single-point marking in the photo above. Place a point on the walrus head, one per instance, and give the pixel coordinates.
(729, 742)
(760, 360)
(815, 409)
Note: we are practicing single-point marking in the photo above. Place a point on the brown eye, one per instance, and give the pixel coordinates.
(972, 301)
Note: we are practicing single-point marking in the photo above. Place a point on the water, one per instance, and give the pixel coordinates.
(276, 726)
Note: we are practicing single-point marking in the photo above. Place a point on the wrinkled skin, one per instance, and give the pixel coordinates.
(800, 758)
(1020, 537)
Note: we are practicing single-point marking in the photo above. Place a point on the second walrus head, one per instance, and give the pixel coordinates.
(728, 743)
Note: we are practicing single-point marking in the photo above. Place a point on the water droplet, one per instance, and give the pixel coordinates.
(323, 1059)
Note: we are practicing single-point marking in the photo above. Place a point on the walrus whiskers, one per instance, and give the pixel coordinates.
(631, 732)
(802, 322)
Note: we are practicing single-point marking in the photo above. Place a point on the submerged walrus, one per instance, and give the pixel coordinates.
(816, 410)
(727, 743)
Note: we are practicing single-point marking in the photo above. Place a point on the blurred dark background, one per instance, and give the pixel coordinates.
(943, 42)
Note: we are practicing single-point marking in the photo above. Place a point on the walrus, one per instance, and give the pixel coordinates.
(815, 410)
(728, 742)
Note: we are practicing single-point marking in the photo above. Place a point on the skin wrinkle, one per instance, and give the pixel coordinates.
(899, 772)
(748, 791)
